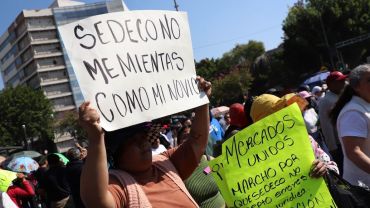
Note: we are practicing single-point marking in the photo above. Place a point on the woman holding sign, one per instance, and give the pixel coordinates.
(351, 115)
(138, 179)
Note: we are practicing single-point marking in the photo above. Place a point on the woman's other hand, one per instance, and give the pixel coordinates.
(318, 169)
(204, 85)
(89, 119)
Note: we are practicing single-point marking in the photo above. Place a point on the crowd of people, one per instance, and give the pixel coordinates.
(52, 182)
(156, 164)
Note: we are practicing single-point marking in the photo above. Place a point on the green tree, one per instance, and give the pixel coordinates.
(24, 106)
(213, 69)
(230, 74)
(69, 123)
(240, 54)
(231, 88)
(206, 68)
(245, 52)
(313, 29)
(269, 70)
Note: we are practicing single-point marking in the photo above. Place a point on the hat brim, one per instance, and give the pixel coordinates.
(114, 139)
(342, 77)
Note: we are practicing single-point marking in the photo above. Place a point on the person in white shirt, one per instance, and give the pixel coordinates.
(352, 117)
(318, 92)
(5, 201)
(335, 82)
(157, 147)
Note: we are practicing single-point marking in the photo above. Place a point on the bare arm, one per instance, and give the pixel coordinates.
(94, 176)
(353, 147)
(200, 126)
(194, 147)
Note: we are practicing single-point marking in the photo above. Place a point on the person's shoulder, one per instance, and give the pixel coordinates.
(323, 100)
(352, 115)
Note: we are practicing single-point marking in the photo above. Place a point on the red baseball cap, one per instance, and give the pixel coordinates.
(336, 76)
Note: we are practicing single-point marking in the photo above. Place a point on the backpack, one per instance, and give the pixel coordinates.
(345, 194)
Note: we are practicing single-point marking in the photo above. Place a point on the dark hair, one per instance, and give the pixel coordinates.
(18, 182)
(247, 109)
(116, 140)
(180, 133)
(344, 98)
(348, 92)
(304, 87)
(74, 154)
(54, 160)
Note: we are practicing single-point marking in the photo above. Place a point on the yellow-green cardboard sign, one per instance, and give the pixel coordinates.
(6, 178)
(268, 165)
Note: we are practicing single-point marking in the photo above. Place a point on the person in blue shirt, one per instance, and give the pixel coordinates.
(215, 129)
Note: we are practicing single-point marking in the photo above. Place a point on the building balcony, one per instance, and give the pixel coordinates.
(52, 79)
(64, 143)
(47, 55)
(43, 69)
(54, 82)
(9, 61)
(59, 108)
(19, 37)
(5, 50)
(40, 27)
(57, 94)
(50, 67)
(41, 41)
(46, 52)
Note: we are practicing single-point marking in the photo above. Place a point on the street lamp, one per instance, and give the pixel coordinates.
(25, 137)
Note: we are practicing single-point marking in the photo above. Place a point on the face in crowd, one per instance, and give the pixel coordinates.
(130, 148)
(184, 134)
(187, 123)
(227, 119)
(135, 154)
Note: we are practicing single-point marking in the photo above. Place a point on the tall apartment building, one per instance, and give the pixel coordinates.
(31, 53)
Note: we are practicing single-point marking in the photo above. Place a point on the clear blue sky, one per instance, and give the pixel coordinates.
(216, 25)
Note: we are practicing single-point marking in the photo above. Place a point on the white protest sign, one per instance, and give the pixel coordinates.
(134, 66)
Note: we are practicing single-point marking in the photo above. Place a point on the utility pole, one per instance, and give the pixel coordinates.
(176, 5)
(26, 144)
(326, 42)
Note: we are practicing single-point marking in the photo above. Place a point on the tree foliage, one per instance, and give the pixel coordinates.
(244, 53)
(24, 106)
(232, 87)
(230, 74)
(206, 68)
(269, 70)
(313, 29)
(69, 123)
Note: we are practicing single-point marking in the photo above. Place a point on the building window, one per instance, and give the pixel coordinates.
(12, 52)
(9, 69)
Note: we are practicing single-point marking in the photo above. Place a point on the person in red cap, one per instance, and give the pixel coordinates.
(238, 120)
(335, 81)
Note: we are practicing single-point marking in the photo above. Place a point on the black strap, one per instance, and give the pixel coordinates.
(208, 157)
